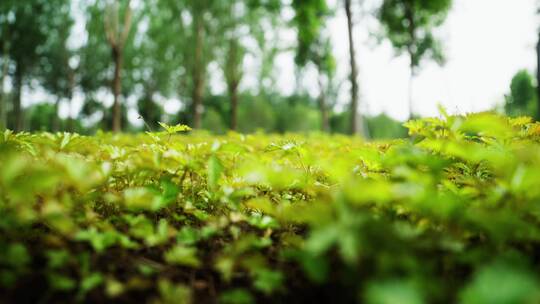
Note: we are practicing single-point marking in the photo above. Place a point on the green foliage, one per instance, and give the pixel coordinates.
(297, 117)
(256, 114)
(215, 169)
(315, 47)
(384, 127)
(33, 41)
(379, 127)
(409, 25)
(213, 121)
(522, 97)
(40, 116)
(309, 20)
(450, 215)
(389, 292)
(502, 282)
(174, 129)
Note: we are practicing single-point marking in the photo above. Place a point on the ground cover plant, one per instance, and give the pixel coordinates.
(449, 215)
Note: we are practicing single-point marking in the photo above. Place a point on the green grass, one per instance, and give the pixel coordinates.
(450, 215)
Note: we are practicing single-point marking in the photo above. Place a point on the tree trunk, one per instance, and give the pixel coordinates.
(70, 126)
(3, 104)
(411, 82)
(325, 124)
(409, 15)
(538, 77)
(117, 88)
(197, 102)
(198, 73)
(148, 110)
(56, 119)
(233, 94)
(233, 77)
(356, 119)
(17, 108)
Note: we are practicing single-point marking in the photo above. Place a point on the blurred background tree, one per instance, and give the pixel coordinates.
(118, 22)
(239, 20)
(27, 26)
(409, 25)
(135, 63)
(522, 99)
(356, 121)
(5, 22)
(310, 18)
(538, 68)
(106, 60)
(55, 73)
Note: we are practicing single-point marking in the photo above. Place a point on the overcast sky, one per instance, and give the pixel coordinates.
(486, 43)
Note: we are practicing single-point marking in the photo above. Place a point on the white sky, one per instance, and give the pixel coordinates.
(486, 42)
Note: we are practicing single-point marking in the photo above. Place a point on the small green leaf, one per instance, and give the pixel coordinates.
(17, 256)
(184, 256)
(174, 129)
(236, 296)
(215, 169)
(322, 239)
(267, 280)
(225, 265)
(114, 288)
(393, 291)
(187, 236)
(90, 282)
(174, 293)
(61, 282)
